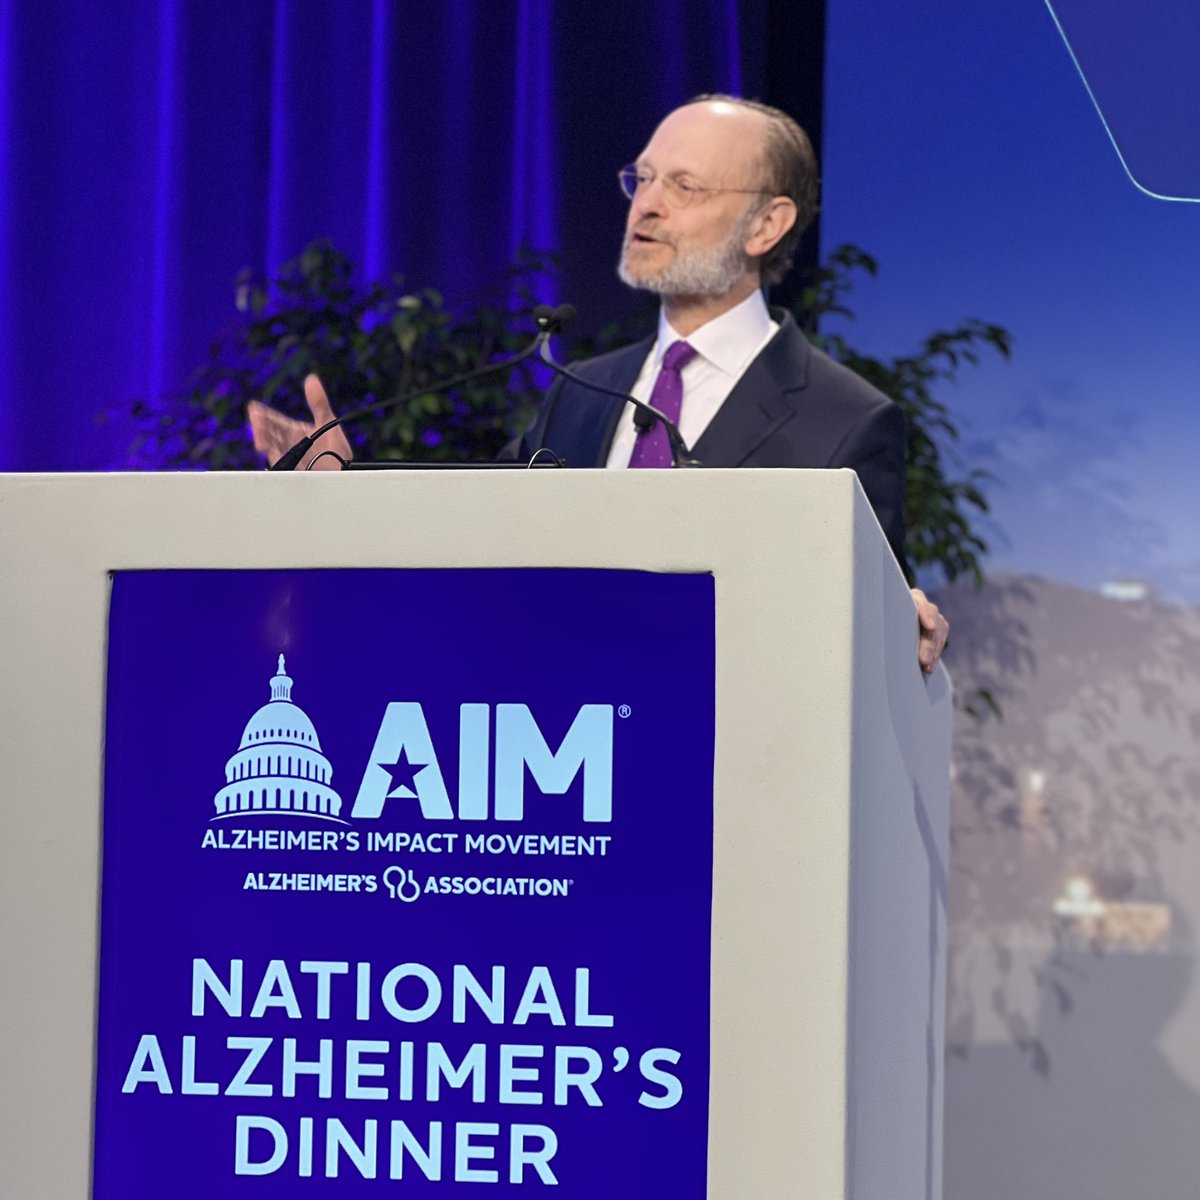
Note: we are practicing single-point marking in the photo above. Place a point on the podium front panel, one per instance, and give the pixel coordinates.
(801, 1067)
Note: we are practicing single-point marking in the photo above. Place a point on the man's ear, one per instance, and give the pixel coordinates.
(771, 224)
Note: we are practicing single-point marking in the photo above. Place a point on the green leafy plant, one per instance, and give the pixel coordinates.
(368, 342)
(944, 498)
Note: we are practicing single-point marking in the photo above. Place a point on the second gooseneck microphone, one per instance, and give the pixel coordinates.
(645, 415)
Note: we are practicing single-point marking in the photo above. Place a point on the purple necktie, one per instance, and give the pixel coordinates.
(652, 448)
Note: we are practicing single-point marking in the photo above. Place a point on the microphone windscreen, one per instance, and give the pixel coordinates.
(643, 421)
(562, 317)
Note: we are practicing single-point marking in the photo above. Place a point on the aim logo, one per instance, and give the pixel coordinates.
(404, 764)
(278, 767)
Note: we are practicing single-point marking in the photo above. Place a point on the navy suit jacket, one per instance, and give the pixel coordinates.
(794, 407)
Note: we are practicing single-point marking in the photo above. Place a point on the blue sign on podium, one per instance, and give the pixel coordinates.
(407, 879)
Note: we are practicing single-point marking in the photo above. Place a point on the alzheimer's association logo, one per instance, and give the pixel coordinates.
(279, 767)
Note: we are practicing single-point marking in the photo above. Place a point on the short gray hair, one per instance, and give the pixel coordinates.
(791, 167)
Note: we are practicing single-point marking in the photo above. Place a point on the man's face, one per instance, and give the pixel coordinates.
(696, 249)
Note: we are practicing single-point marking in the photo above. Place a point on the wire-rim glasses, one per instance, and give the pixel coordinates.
(679, 193)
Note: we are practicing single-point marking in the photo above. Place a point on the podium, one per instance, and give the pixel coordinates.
(825, 941)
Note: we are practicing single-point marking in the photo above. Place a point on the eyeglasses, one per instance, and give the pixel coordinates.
(679, 193)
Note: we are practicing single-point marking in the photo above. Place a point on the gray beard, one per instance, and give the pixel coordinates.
(710, 272)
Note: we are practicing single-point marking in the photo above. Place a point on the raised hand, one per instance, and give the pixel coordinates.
(275, 433)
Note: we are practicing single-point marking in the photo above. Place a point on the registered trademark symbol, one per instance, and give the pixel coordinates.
(624, 710)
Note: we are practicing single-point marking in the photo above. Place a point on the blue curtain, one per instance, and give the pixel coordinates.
(151, 149)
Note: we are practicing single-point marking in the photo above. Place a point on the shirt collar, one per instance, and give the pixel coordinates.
(728, 341)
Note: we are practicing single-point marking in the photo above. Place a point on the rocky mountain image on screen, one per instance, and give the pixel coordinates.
(1073, 1022)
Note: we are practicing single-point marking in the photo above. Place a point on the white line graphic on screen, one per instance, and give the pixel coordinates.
(279, 769)
(1104, 121)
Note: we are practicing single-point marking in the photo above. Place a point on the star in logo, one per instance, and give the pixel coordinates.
(403, 773)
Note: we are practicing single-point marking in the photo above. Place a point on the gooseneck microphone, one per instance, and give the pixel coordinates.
(645, 415)
(548, 321)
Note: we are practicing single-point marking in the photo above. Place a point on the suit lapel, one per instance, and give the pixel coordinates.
(623, 370)
(760, 403)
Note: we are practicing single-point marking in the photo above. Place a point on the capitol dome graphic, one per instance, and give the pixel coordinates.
(278, 768)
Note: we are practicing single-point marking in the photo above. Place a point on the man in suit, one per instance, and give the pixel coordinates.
(718, 200)
(792, 406)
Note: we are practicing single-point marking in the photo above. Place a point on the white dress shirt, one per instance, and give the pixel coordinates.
(725, 347)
